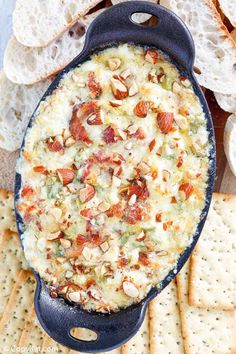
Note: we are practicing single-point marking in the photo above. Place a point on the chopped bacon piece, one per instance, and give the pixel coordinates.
(55, 146)
(86, 171)
(187, 189)
(173, 200)
(96, 238)
(141, 109)
(77, 129)
(152, 144)
(143, 259)
(75, 250)
(165, 121)
(180, 161)
(139, 134)
(158, 217)
(117, 158)
(94, 87)
(66, 175)
(133, 213)
(27, 191)
(86, 193)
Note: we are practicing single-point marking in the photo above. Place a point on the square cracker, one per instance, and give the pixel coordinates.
(33, 333)
(16, 310)
(7, 214)
(12, 261)
(139, 344)
(50, 346)
(204, 330)
(164, 322)
(213, 264)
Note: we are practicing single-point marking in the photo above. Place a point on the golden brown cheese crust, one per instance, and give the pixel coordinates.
(114, 173)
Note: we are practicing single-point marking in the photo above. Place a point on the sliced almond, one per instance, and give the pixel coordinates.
(61, 260)
(181, 121)
(176, 88)
(116, 181)
(87, 253)
(130, 289)
(54, 236)
(87, 193)
(185, 190)
(69, 141)
(125, 74)
(141, 109)
(69, 274)
(141, 236)
(132, 128)
(56, 212)
(66, 175)
(119, 90)
(144, 168)
(166, 175)
(129, 145)
(73, 188)
(103, 206)
(133, 199)
(152, 76)
(74, 296)
(114, 63)
(65, 243)
(133, 90)
(151, 56)
(104, 246)
(115, 103)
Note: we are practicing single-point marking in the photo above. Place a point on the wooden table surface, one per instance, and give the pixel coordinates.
(225, 181)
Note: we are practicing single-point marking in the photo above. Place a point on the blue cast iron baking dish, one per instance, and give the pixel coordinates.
(112, 27)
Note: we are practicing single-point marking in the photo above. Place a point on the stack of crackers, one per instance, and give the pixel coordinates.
(193, 315)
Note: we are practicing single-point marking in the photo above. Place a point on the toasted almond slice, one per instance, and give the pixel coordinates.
(115, 103)
(87, 193)
(74, 296)
(230, 142)
(129, 145)
(185, 190)
(165, 175)
(130, 289)
(114, 63)
(141, 109)
(116, 181)
(133, 90)
(104, 246)
(119, 90)
(87, 253)
(125, 74)
(151, 56)
(181, 121)
(103, 206)
(56, 212)
(144, 168)
(152, 76)
(54, 236)
(69, 141)
(66, 175)
(61, 260)
(69, 274)
(65, 243)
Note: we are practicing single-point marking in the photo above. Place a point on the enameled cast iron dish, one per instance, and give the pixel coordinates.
(112, 27)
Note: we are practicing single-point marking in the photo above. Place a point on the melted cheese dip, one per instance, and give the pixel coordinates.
(114, 173)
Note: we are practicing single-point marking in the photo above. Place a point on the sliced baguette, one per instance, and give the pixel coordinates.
(230, 142)
(141, 17)
(17, 104)
(24, 65)
(215, 49)
(37, 23)
(226, 102)
(228, 7)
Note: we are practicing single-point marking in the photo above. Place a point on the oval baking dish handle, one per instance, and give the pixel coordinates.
(58, 318)
(170, 34)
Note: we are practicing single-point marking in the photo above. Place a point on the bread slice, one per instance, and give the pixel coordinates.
(226, 101)
(17, 105)
(24, 65)
(229, 9)
(140, 17)
(37, 23)
(215, 49)
(230, 142)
